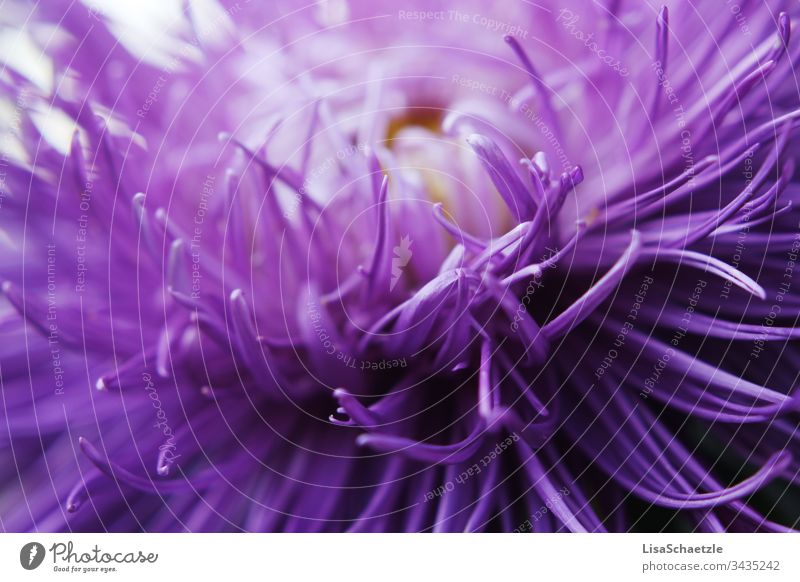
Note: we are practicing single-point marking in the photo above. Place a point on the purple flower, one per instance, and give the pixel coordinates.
(444, 268)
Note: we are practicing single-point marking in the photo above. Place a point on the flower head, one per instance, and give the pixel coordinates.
(445, 268)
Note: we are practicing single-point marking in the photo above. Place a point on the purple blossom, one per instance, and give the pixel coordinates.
(360, 268)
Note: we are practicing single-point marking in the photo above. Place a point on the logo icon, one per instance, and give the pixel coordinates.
(31, 555)
(402, 254)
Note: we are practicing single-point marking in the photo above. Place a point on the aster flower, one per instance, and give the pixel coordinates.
(355, 268)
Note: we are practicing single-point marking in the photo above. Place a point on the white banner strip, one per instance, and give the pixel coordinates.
(399, 557)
